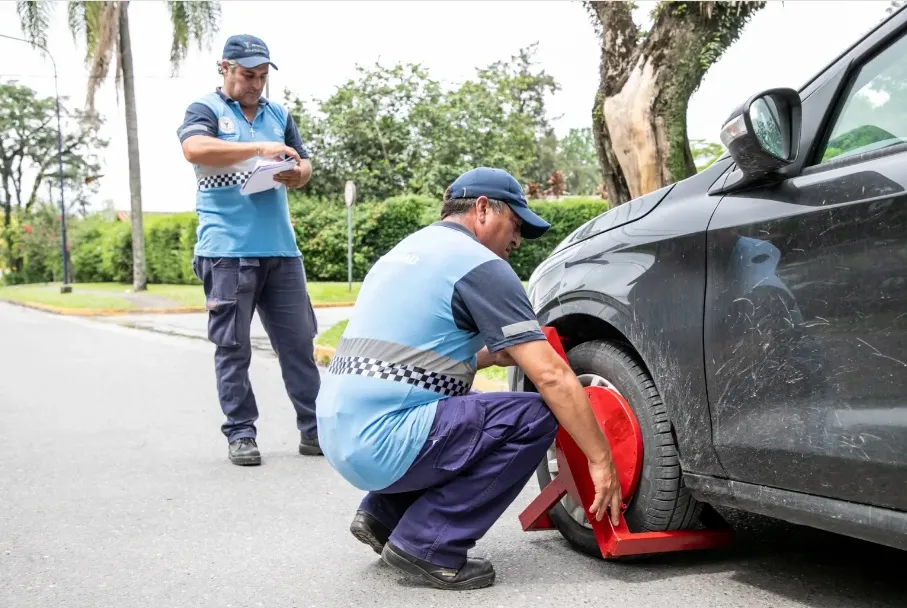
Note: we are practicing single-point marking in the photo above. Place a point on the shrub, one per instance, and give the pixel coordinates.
(102, 249)
(564, 217)
(169, 248)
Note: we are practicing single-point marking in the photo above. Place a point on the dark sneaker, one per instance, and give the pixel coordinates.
(370, 531)
(244, 452)
(309, 447)
(474, 574)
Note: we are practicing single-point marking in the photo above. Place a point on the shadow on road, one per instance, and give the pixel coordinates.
(800, 564)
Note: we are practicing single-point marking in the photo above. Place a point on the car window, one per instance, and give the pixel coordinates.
(874, 112)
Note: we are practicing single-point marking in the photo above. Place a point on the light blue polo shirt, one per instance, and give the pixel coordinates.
(231, 224)
(424, 311)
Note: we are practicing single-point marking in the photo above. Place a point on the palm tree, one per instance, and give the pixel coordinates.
(105, 29)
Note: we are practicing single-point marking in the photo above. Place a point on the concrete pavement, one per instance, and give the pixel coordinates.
(115, 491)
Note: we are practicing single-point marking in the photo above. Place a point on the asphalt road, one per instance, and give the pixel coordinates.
(115, 491)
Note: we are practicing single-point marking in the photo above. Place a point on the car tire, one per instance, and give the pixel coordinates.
(661, 501)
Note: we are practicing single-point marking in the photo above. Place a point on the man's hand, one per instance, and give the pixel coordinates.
(563, 393)
(607, 491)
(213, 152)
(501, 359)
(273, 150)
(298, 176)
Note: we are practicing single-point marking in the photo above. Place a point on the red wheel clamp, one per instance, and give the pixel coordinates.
(619, 424)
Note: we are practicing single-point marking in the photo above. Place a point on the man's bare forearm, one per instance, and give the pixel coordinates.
(214, 152)
(559, 387)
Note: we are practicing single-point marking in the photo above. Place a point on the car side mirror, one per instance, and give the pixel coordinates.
(763, 134)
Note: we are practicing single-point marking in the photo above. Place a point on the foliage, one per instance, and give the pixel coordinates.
(564, 217)
(705, 153)
(36, 247)
(101, 247)
(104, 28)
(652, 75)
(29, 169)
(579, 162)
(396, 130)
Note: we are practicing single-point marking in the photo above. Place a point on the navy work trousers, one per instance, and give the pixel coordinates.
(480, 452)
(276, 287)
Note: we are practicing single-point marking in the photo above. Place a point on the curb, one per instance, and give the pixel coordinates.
(110, 312)
(324, 354)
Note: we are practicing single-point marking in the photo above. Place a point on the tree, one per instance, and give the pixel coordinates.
(28, 154)
(105, 29)
(579, 162)
(395, 129)
(705, 153)
(646, 81)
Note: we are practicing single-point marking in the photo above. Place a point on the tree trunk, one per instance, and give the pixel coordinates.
(8, 215)
(139, 279)
(640, 112)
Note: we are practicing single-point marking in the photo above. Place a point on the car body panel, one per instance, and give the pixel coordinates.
(772, 316)
(806, 326)
(646, 280)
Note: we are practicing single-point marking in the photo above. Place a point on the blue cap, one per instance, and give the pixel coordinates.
(247, 51)
(500, 185)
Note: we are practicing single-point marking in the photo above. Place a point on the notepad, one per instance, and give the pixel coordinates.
(262, 176)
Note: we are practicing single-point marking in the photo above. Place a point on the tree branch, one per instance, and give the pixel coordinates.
(619, 35)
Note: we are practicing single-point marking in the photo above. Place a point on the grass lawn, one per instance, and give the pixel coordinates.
(50, 295)
(192, 295)
(332, 336)
(113, 295)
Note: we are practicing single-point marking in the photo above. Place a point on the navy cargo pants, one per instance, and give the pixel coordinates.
(480, 452)
(276, 287)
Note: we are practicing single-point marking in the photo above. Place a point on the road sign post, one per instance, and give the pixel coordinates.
(349, 197)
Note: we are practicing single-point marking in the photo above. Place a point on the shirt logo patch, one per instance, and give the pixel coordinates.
(277, 131)
(225, 124)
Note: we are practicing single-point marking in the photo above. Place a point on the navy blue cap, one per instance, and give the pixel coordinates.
(247, 51)
(500, 185)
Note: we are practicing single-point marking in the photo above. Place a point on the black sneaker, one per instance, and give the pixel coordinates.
(474, 574)
(370, 531)
(244, 452)
(309, 447)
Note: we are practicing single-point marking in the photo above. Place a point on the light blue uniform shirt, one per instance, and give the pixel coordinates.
(231, 224)
(423, 313)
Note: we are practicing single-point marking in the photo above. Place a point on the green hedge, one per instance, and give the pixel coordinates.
(102, 249)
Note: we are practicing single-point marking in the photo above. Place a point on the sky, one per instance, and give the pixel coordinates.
(317, 45)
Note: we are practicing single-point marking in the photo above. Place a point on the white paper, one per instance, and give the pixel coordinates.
(262, 176)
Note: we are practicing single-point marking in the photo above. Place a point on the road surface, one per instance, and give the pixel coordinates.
(115, 491)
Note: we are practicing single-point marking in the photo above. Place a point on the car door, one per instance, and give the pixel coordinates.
(806, 304)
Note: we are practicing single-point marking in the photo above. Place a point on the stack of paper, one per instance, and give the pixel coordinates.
(262, 176)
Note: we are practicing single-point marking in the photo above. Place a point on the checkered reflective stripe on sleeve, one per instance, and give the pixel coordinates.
(222, 181)
(409, 374)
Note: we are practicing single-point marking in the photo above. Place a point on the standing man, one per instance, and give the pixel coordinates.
(396, 416)
(246, 255)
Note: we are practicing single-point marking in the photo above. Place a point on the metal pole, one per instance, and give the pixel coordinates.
(66, 288)
(349, 247)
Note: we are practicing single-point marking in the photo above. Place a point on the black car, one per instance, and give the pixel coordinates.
(755, 315)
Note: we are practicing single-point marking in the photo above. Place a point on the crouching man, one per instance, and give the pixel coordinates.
(395, 413)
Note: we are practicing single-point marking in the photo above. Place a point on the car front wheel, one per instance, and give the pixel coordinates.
(661, 501)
